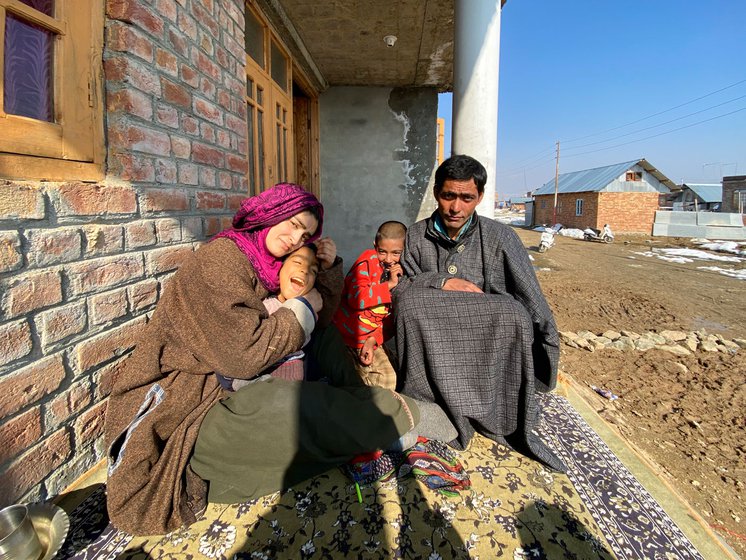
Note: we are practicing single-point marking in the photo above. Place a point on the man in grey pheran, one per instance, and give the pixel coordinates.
(473, 330)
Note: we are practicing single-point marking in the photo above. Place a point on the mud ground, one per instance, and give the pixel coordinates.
(686, 414)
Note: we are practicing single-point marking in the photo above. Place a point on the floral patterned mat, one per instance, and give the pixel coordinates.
(515, 509)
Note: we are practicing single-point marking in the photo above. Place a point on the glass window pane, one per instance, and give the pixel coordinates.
(44, 6)
(254, 38)
(249, 88)
(260, 96)
(279, 67)
(29, 51)
(252, 151)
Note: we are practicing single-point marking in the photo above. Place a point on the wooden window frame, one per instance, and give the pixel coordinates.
(276, 96)
(578, 206)
(633, 176)
(72, 147)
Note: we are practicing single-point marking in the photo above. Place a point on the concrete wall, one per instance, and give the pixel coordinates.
(377, 156)
(82, 265)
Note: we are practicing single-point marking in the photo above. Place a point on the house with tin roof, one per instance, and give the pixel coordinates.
(624, 195)
(699, 196)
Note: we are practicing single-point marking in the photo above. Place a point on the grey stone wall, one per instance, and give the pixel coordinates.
(377, 157)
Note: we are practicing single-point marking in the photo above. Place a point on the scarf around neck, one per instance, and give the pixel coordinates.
(257, 215)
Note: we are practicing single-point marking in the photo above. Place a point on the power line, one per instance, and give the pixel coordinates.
(660, 134)
(658, 125)
(654, 114)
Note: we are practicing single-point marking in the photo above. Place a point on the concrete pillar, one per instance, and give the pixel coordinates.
(476, 62)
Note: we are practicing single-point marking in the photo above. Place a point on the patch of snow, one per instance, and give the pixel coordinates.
(739, 274)
(511, 220)
(724, 247)
(697, 254)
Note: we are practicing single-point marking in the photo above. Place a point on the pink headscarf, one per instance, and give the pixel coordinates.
(257, 215)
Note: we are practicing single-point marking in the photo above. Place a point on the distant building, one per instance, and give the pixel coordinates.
(623, 195)
(734, 194)
(518, 203)
(697, 197)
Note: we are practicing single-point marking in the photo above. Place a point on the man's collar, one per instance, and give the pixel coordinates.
(440, 226)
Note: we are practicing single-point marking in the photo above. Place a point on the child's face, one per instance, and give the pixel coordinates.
(389, 251)
(298, 273)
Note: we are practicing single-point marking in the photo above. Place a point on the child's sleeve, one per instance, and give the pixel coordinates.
(361, 291)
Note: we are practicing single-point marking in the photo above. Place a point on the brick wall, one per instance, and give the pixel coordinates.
(625, 212)
(82, 265)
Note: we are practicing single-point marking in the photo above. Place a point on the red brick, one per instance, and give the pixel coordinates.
(10, 251)
(206, 44)
(61, 322)
(105, 377)
(165, 171)
(221, 55)
(166, 8)
(139, 234)
(206, 66)
(176, 94)
(110, 344)
(210, 201)
(212, 226)
(189, 75)
(208, 89)
(34, 466)
(167, 116)
(202, 153)
(178, 42)
(30, 384)
(234, 201)
(53, 246)
(143, 295)
(189, 125)
(139, 138)
(207, 177)
(237, 164)
(89, 199)
(224, 139)
(20, 202)
(188, 174)
(125, 38)
(127, 71)
(181, 147)
(30, 292)
(90, 426)
(191, 228)
(168, 230)
(74, 399)
(103, 240)
(131, 168)
(168, 258)
(187, 25)
(130, 101)
(224, 99)
(19, 433)
(166, 61)
(162, 200)
(226, 222)
(108, 306)
(133, 11)
(236, 125)
(94, 275)
(205, 17)
(207, 133)
(225, 181)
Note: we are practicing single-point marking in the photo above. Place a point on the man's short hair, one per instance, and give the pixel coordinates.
(460, 168)
(391, 230)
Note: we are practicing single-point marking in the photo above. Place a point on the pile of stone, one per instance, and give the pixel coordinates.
(679, 343)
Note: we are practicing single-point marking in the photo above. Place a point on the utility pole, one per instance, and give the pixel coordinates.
(556, 185)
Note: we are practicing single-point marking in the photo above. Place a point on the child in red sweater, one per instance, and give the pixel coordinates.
(364, 315)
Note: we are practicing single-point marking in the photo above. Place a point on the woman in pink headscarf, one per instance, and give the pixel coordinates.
(173, 434)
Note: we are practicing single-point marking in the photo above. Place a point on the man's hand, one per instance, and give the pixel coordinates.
(396, 272)
(326, 252)
(461, 285)
(314, 298)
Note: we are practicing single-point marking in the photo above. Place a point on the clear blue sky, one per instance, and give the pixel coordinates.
(571, 71)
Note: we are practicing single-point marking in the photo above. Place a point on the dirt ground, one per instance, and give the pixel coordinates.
(687, 414)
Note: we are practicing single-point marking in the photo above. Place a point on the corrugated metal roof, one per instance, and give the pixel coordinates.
(594, 180)
(520, 200)
(707, 192)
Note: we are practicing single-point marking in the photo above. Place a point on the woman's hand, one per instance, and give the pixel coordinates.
(326, 252)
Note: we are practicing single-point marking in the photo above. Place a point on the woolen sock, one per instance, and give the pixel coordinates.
(434, 423)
